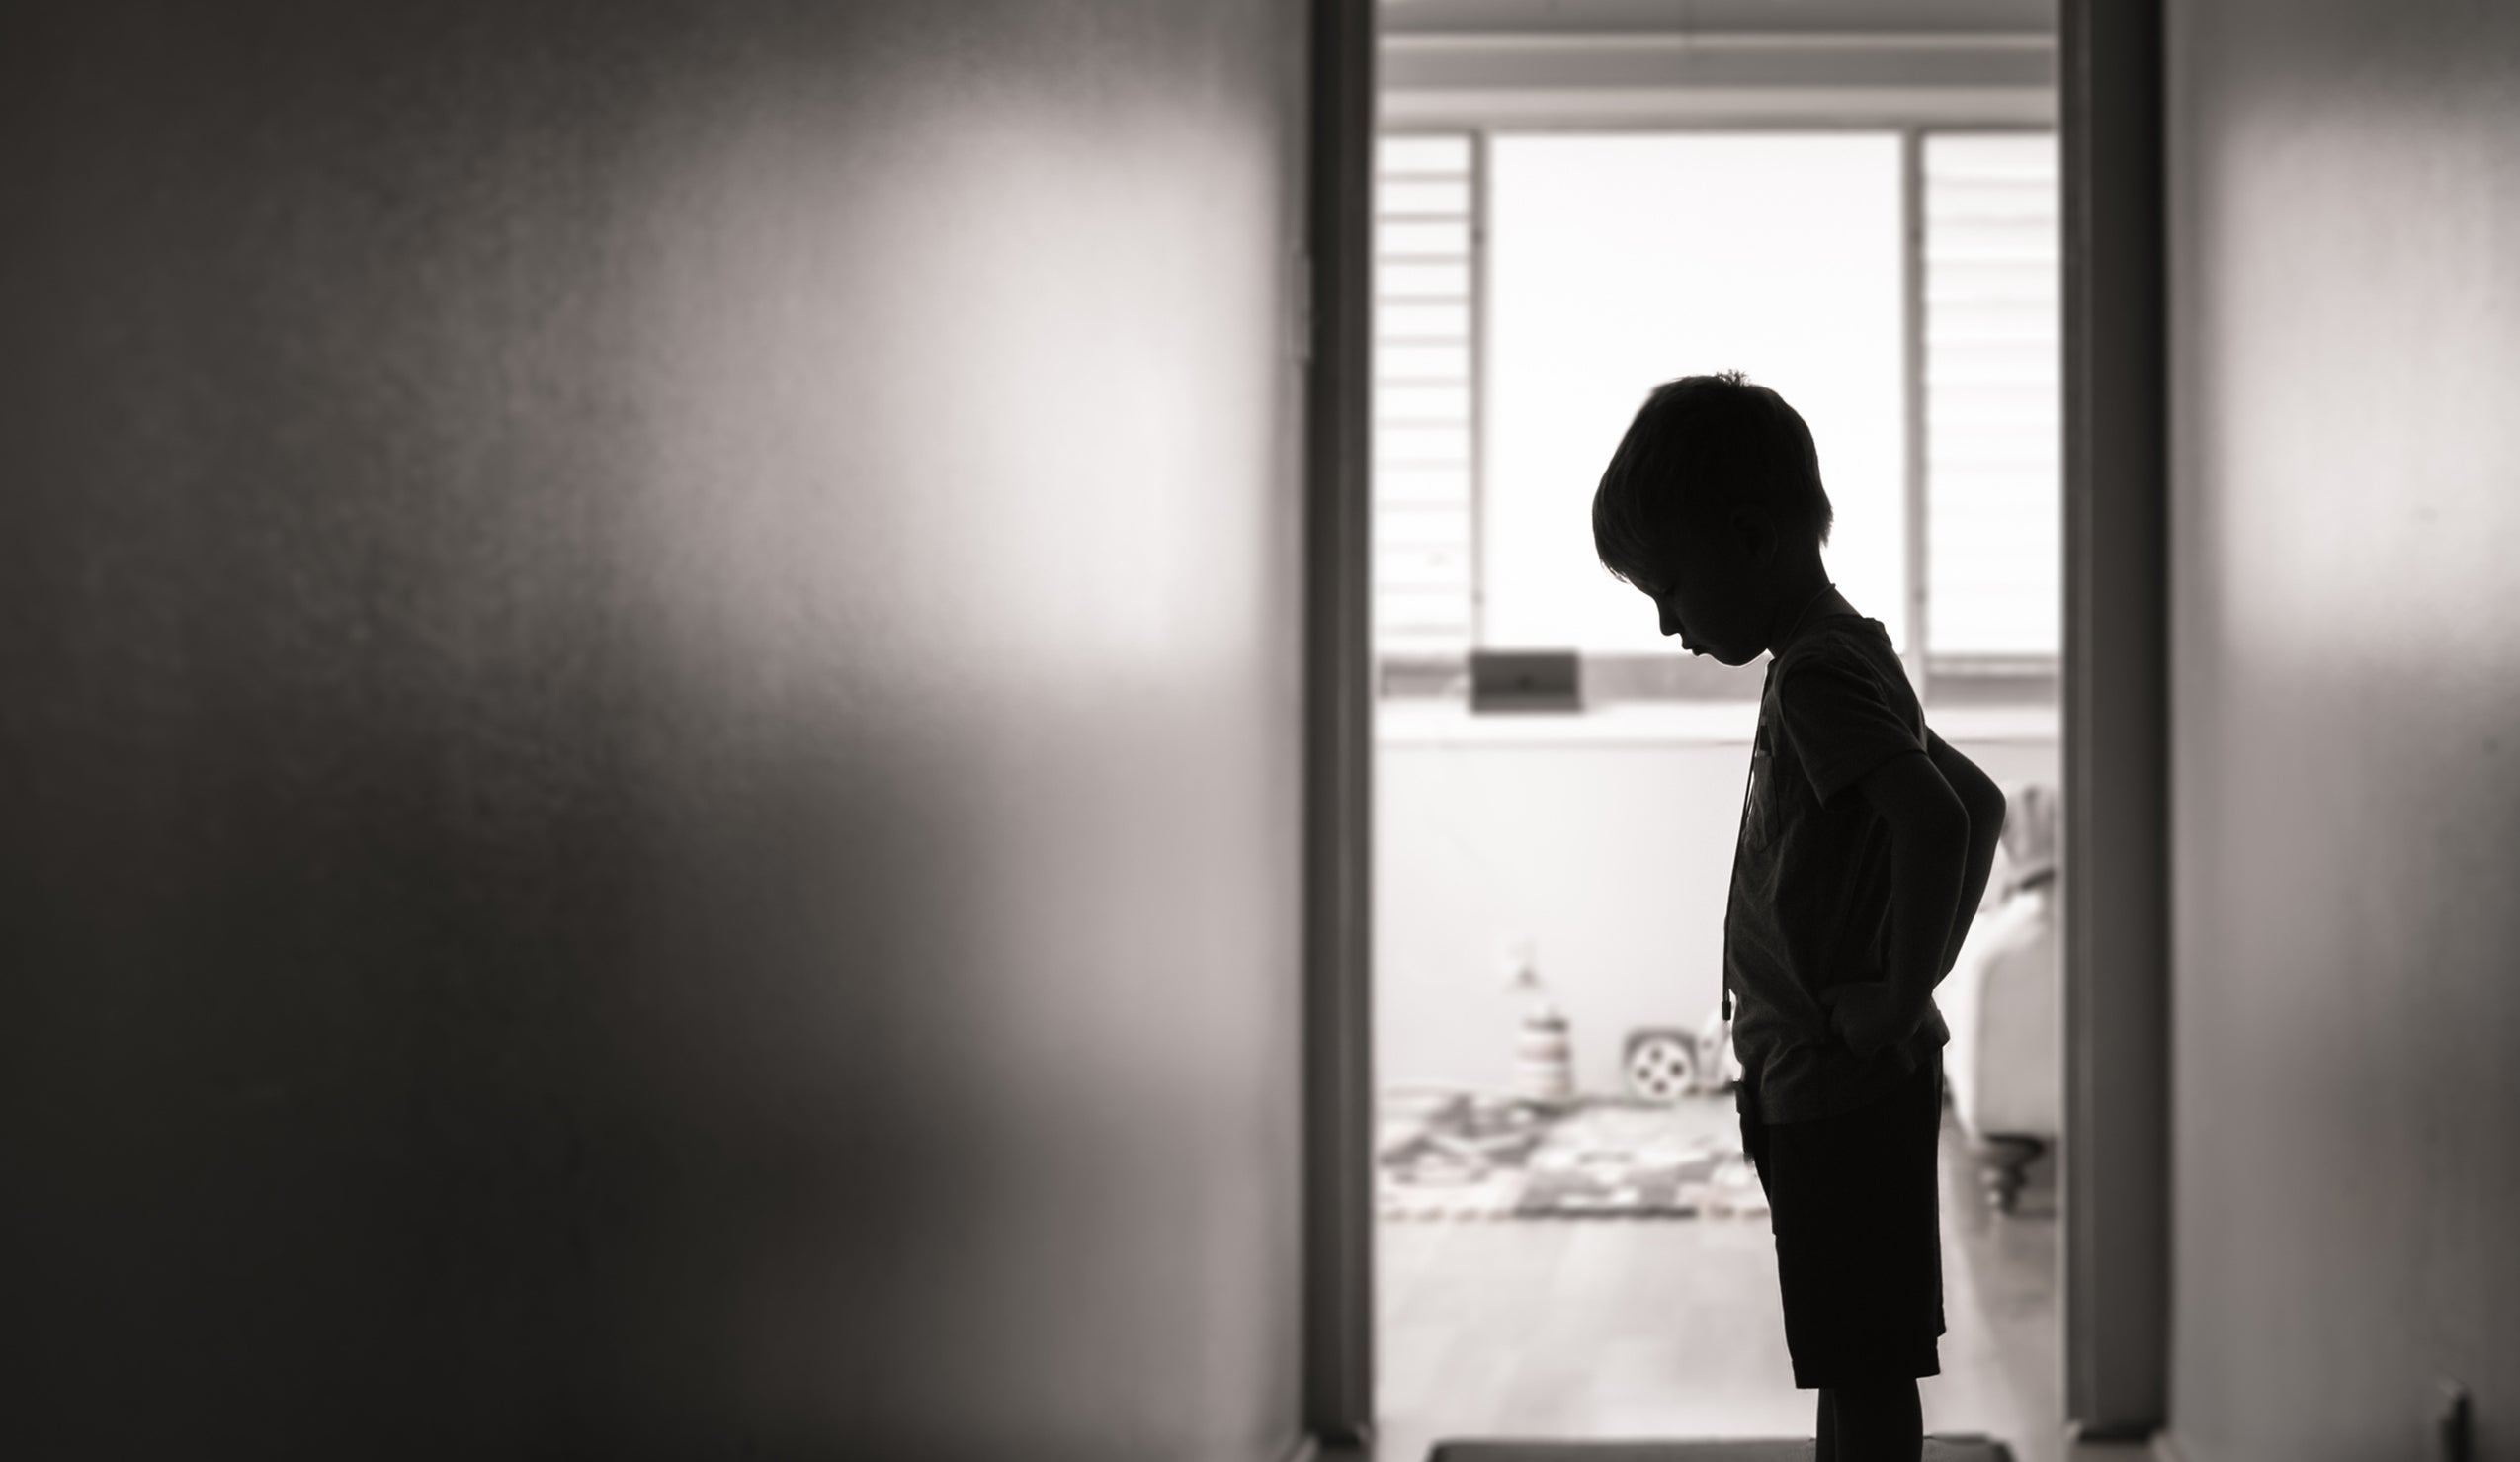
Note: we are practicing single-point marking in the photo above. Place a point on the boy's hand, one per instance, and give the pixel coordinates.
(1867, 1016)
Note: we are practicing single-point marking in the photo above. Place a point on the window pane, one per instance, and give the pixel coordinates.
(1992, 452)
(1442, 152)
(1619, 262)
(1427, 488)
(1447, 363)
(1433, 280)
(1398, 445)
(1422, 199)
(1448, 239)
(1422, 406)
(1403, 324)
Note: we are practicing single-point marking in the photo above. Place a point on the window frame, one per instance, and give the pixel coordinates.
(1948, 678)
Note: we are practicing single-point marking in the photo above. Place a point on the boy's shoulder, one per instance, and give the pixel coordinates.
(1837, 647)
(1842, 701)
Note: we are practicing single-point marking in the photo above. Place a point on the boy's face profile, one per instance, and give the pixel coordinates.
(1712, 506)
(1711, 587)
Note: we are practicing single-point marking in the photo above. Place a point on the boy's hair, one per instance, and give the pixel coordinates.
(1703, 441)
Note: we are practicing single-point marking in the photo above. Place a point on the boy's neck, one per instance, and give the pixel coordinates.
(1802, 595)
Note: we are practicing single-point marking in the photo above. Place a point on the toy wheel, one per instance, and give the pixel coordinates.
(1662, 1066)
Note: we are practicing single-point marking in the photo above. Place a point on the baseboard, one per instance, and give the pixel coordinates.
(2154, 1445)
(1336, 1444)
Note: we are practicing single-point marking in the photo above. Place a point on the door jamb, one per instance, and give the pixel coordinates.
(2115, 925)
(1338, 729)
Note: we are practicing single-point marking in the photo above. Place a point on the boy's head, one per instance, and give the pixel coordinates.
(1712, 507)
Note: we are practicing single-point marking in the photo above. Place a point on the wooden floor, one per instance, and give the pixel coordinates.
(1638, 1328)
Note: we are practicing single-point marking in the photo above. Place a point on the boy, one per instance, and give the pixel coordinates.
(1864, 850)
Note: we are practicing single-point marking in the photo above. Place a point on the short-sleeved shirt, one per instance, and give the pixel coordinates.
(1810, 898)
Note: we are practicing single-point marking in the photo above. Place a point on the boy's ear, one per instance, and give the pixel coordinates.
(1752, 532)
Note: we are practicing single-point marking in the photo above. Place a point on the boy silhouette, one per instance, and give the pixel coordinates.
(1864, 850)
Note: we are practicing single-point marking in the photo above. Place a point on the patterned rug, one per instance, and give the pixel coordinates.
(1464, 1154)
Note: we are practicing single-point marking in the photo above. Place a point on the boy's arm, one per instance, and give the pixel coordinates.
(1984, 802)
(1930, 848)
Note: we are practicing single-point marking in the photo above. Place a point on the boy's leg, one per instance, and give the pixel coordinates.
(1884, 1421)
(1853, 1204)
(1877, 1422)
(1827, 1451)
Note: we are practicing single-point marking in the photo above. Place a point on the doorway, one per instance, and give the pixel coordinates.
(1444, 169)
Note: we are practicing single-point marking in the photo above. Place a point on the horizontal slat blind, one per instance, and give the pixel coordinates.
(1422, 432)
(1992, 399)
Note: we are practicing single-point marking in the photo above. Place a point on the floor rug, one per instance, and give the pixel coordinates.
(1937, 1449)
(1465, 1154)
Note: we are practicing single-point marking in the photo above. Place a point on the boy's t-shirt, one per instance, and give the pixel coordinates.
(1811, 874)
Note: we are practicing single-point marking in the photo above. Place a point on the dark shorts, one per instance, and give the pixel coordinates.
(1855, 1208)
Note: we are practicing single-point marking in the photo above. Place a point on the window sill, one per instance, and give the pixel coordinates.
(1439, 721)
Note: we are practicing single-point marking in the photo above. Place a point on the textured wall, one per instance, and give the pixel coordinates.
(2346, 516)
(648, 729)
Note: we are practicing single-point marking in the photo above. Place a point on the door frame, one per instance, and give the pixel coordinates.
(1338, 735)
(2114, 1182)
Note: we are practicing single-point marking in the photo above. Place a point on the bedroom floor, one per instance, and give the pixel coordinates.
(1643, 1327)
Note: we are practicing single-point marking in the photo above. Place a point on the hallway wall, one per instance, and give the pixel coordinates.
(649, 738)
(2345, 267)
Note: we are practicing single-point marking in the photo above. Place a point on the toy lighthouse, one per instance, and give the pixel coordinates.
(1544, 1061)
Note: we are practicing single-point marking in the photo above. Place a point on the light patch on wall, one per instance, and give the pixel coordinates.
(1008, 559)
(2319, 522)
(780, 260)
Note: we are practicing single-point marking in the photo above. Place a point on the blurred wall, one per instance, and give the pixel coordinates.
(2345, 316)
(1612, 854)
(649, 728)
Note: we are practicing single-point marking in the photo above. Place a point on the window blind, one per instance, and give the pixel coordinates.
(1422, 384)
(1994, 456)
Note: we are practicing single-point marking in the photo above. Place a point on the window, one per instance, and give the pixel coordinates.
(1619, 262)
(1531, 288)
